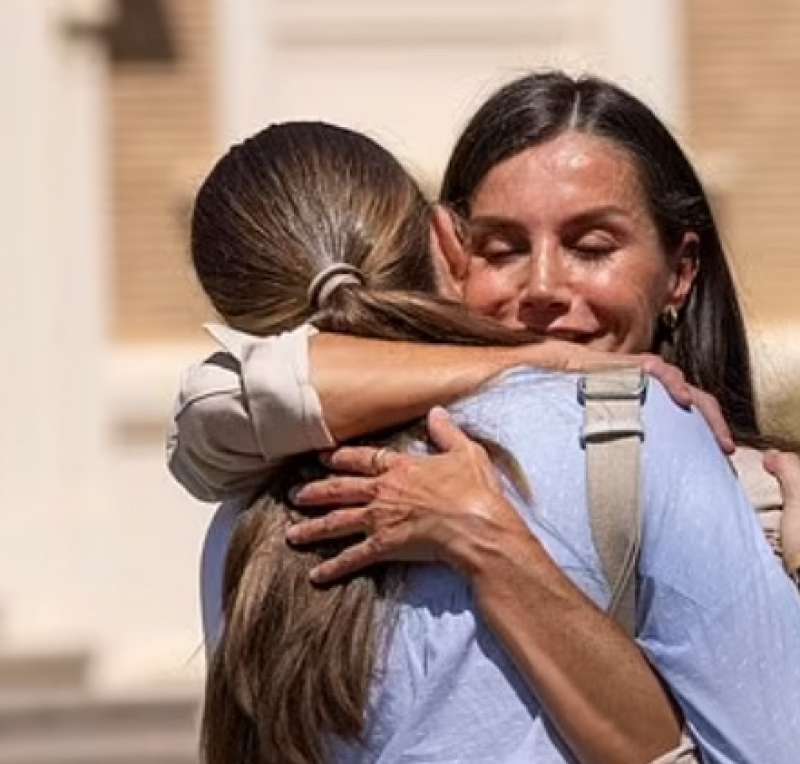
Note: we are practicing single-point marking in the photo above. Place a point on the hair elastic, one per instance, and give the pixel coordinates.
(325, 283)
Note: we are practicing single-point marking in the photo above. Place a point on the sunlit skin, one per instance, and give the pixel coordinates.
(562, 241)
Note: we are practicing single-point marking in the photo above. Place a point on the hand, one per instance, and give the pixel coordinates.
(670, 376)
(448, 507)
(785, 466)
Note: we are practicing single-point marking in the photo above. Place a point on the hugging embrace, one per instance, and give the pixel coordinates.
(376, 590)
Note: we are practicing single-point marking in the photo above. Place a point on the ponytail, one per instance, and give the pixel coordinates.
(295, 662)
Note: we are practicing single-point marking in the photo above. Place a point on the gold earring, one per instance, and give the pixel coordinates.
(670, 318)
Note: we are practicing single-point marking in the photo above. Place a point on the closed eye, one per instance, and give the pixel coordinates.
(496, 246)
(500, 248)
(499, 240)
(595, 244)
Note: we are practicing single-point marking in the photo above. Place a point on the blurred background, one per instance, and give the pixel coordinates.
(113, 111)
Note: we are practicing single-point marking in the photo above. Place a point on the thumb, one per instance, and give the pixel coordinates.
(445, 434)
(786, 468)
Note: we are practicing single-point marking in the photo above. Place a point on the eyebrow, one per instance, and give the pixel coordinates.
(483, 224)
(602, 212)
(498, 223)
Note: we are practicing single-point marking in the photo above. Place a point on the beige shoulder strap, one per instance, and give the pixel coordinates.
(612, 434)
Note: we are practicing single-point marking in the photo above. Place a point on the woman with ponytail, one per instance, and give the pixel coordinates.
(492, 645)
(309, 223)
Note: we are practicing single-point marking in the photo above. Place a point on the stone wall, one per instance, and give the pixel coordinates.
(743, 70)
(162, 145)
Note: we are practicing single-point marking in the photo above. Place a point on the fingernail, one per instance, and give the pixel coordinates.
(292, 533)
(326, 457)
(439, 412)
(295, 494)
(315, 574)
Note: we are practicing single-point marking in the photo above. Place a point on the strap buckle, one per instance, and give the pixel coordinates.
(614, 388)
(603, 432)
(603, 420)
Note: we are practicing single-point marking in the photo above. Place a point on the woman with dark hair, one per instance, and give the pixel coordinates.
(581, 123)
(487, 237)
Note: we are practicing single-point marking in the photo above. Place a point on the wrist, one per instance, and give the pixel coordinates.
(551, 354)
(511, 563)
(495, 555)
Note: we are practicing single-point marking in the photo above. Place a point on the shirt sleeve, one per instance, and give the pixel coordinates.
(717, 616)
(242, 410)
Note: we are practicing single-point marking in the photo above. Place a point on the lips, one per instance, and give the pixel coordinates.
(569, 335)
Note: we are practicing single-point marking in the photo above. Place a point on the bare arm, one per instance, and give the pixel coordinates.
(597, 687)
(366, 385)
(270, 397)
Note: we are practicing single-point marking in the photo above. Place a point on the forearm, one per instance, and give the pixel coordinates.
(366, 385)
(592, 680)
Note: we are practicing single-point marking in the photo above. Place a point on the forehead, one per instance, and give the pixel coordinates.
(566, 176)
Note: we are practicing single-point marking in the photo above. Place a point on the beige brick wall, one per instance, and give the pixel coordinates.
(162, 145)
(743, 69)
(744, 125)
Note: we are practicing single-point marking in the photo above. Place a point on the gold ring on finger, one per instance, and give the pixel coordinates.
(379, 461)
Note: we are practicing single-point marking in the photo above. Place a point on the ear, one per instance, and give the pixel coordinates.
(447, 250)
(686, 264)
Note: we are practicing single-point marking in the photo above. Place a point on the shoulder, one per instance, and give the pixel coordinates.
(681, 455)
(667, 421)
(701, 538)
(520, 398)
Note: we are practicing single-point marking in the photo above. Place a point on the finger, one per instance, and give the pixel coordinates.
(710, 409)
(360, 460)
(335, 525)
(335, 491)
(670, 376)
(349, 561)
(786, 468)
(445, 434)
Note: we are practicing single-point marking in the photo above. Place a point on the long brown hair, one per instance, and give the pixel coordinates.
(294, 662)
(710, 343)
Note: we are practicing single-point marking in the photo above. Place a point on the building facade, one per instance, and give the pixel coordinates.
(116, 111)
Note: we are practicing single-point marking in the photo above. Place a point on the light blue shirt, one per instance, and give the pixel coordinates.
(717, 616)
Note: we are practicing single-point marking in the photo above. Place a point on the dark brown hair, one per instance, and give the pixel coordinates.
(294, 662)
(710, 344)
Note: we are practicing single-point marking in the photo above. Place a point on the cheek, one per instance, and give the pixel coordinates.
(627, 304)
(493, 292)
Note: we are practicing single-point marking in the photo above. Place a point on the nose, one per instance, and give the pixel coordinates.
(547, 294)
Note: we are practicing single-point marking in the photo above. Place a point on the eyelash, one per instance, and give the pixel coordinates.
(513, 250)
(603, 248)
(595, 252)
(508, 249)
